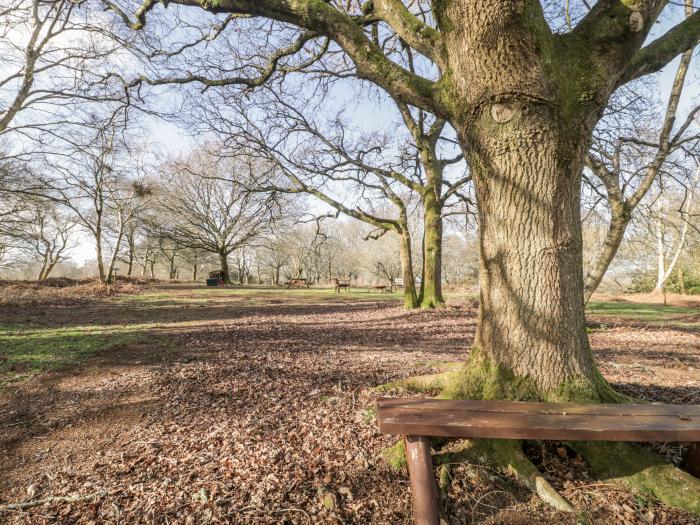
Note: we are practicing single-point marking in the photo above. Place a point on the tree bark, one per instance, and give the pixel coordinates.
(98, 254)
(431, 283)
(40, 276)
(620, 217)
(130, 262)
(659, 288)
(223, 262)
(410, 298)
(49, 269)
(172, 271)
(531, 318)
(145, 260)
(115, 252)
(524, 134)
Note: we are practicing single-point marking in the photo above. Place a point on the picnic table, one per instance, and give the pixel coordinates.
(298, 283)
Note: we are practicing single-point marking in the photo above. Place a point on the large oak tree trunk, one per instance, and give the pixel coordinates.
(531, 320)
(525, 142)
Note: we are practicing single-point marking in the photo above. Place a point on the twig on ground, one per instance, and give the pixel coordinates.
(51, 499)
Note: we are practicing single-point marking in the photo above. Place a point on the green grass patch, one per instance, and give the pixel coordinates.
(28, 351)
(637, 310)
(254, 296)
(652, 314)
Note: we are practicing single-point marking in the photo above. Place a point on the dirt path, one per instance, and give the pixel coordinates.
(258, 413)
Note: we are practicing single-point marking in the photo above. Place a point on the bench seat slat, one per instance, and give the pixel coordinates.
(518, 407)
(608, 424)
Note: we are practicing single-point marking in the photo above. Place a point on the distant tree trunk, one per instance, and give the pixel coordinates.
(620, 216)
(40, 276)
(660, 286)
(132, 255)
(115, 251)
(664, 273)
(49, 269)
(410, 298)
(194, 272)
(431, 283)
(145, 261)
(223, 262)
(98, 253)
(172, 273)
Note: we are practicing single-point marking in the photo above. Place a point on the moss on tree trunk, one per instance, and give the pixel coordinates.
(431, 283)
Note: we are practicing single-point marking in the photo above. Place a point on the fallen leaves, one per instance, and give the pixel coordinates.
(267, 417)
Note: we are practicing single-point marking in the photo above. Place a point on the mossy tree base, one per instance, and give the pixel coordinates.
(622, 463)
(641, 470)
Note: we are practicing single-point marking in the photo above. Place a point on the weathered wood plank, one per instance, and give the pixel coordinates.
(606, 425)
(647, 409)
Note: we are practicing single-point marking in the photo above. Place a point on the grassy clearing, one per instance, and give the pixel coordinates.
(28, 351)
(255, 295)
(652, 314)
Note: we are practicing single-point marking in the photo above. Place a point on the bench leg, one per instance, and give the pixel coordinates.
(691, 463)
(423, 486)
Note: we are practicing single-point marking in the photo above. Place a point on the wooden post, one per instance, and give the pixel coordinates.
(691, 463)
(423, 487)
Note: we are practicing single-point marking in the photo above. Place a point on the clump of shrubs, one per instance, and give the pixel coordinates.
(645, 282)
(60, 290)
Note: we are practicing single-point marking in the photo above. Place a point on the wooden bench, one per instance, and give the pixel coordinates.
(340, 283)
(380, 288)
(297, 283)
(418, 419)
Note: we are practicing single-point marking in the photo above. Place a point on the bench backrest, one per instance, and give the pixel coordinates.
(523, 420)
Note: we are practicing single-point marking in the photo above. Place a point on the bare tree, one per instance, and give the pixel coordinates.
(105, 187)
(206, 207)
(42, 232)
(628, 165)
(56, 55)
(668, 248)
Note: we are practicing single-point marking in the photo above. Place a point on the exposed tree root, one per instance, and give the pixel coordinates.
(507, 455)
(641, 470)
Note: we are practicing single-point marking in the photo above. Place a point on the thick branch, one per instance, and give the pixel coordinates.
(661, 51)
(320, 17)
(420, 36)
